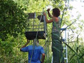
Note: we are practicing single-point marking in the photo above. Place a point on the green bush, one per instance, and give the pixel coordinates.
(12, 19)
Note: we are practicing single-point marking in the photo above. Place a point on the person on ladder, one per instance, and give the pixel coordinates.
(56, 43)
(35, 52)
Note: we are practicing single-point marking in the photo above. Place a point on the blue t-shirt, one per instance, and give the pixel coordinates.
(34, 52)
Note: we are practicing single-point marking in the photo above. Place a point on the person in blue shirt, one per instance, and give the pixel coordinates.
(36, 52)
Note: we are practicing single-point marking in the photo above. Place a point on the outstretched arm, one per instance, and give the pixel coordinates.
(25, 44)
(49, 13)
(48, 21)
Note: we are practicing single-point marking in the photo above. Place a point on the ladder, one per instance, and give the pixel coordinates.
(65, 46)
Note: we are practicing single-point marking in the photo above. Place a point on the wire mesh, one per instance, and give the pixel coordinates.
(35, 22)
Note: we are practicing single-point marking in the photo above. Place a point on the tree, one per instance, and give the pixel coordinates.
(12, 19)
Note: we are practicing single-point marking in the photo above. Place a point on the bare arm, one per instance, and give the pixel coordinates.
(43, 57)
(48, 21)
(49, 13)
(25, 44)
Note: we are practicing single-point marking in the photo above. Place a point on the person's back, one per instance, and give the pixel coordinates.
(56, 25)
(34, 53)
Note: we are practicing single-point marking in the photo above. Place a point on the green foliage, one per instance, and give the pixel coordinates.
(10, 50)
(6, 52)
(12, 19)
(76, 57)
(13, 22)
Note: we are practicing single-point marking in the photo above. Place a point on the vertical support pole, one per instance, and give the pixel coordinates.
(66, 50)
(45, 26)
(34, 20)
(68, 4)
(33, 25)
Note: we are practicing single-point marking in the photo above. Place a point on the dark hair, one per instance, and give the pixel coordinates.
(56, 12)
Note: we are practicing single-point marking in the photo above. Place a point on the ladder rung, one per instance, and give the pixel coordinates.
(64, 48)
(65, 58)
(63, 39)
